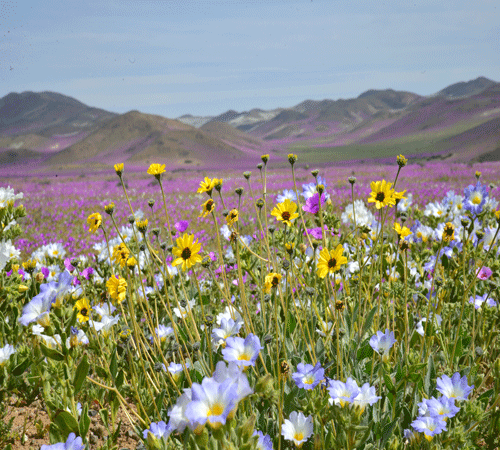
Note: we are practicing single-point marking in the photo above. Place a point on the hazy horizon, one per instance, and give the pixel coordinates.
(205, 57)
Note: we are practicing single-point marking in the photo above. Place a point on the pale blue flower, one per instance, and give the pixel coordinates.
(343, 393)
(72, 443)
(430, 426)
(297, 428)
(264, 442)
(382, 342)
(367, 396)
(287, 194)
(159, 430)
(454, 387)
(308, 376)
(242, 351)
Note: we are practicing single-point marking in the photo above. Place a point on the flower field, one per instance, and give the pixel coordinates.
(350, 307)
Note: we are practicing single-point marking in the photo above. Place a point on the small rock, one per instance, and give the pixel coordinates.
(99, 430)
(140, 446)
(92, 413)
(92, 438)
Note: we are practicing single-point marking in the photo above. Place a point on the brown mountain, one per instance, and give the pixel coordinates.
(146, 138)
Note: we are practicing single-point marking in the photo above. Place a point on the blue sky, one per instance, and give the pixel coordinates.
(204, 57)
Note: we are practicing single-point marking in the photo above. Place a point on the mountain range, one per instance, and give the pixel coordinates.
(50, 131)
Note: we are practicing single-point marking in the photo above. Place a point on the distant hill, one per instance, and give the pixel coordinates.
(47, 114)
(147, 138)
(466, 88)
(460, 122)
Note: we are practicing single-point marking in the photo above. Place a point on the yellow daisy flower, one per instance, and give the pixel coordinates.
(232, 217)
(117, 288)
(207, 207)
(186, 252)
(382, 194)
(156, 169)
(83, 307)
(206, 186)
(94, 221)
(119, 169)
(402, 231)
(120, 254)
(285, 212)
(330, 261)
(272, 280)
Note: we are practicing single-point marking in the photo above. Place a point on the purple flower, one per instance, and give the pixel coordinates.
(312, 203)
(308, 376)
(242, 351)
(181, 226)
(68, 266)
(454, 387)
(87, 272)
(45, 272)
(484, 273)
(475, 197)
(315, 232)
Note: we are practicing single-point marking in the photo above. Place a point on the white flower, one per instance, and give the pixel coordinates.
(5, 353)
(420, 328)
(7, 252)
(7, 196)
(405, 203)
(104, 326)
(229, 313)
(297, 428)
(287, 194)
(183, 312)
(364, 216)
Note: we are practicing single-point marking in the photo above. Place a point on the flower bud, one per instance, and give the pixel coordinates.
(247, 175)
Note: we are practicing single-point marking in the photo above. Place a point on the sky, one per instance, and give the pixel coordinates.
(204, 57)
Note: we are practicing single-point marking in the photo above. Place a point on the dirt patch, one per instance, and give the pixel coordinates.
(30, 428)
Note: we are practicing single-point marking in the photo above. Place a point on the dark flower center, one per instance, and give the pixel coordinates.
(84, 312)
(186, 253)
(285, 215)
(275, 281)
(332, 263)
(233, 216)
(209, 205)
(448, 231)
(380, 197)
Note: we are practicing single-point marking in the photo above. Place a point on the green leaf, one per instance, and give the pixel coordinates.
(119, 379)
(84, 424)
(292, 323)
(104, 413)
(101, 372)
(21, 367)
(388, 382)
(387, 432)
(365, 351)
(430, 374)
(66, 424)
(51, 353)
(369, 320)
(81, 373)
(113, 365)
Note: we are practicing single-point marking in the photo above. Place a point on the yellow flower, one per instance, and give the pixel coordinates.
(207, 207)
(448, 232)
(156, 169)
(272, 280)
(402, 231)
(83, 307)
(186, 252)
(330, 261)
(382, 194)
(217, 183)
(497, 215)
(94, 221)
(142, 225)
(402, 161)
(117, 288)
(285, 212)
(120, 254)
(119, 169)
(131, 262)
(206, 185)
(232, 217)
